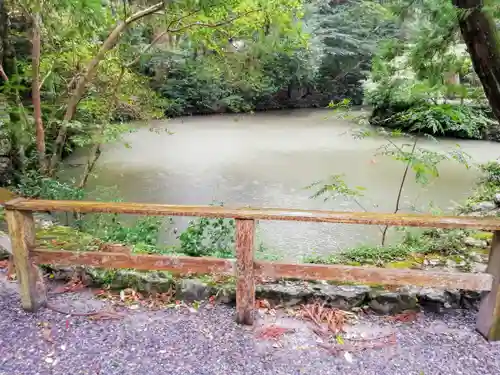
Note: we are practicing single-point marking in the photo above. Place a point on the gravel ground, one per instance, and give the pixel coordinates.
(209, 342)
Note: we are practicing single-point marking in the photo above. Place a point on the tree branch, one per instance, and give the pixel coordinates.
(35, 93)
(90, 70)
(2, 73)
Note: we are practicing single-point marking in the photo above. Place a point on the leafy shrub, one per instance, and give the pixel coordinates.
(34, 185)
(487, 187)
(460, 121)
(209, 237)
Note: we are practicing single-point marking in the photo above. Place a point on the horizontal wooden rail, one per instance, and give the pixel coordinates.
(176, 264)
(244, 267)
(369, 218)
(205, 265)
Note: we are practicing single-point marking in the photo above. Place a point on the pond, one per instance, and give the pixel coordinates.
(267, 160)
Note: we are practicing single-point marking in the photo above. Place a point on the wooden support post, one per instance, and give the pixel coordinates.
(22, 234)
(488, 319)
(245, 287)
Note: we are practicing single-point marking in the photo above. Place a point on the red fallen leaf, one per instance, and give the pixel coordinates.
(67, 323)
(70, 287)
(273, 332)
(211, 300)
(262, 304)
(404, 317)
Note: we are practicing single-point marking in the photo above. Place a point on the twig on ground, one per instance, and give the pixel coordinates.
(368, 344)
(94, 314)
(335, 319)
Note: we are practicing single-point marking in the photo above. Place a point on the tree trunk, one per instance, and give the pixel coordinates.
(90, 71)
(35, 93)
(480, 35)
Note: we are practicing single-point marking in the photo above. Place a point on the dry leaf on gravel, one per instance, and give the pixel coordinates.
(335, 319)
(47, 332)
(133, 299)
(273, 332)
(404, 317)
(71, 286)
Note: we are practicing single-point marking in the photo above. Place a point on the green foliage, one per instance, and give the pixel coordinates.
(461, 121)
(488, 185)
(34, 185)
(413, 245)
(208, 237)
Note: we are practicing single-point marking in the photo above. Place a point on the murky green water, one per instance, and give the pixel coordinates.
(266, 160)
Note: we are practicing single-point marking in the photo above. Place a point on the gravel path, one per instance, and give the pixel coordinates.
(209, 342)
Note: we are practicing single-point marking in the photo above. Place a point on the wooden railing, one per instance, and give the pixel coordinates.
(245, 268)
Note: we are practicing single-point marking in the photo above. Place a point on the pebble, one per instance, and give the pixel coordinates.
(211, 343)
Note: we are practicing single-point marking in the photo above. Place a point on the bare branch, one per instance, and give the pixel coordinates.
(2, 73)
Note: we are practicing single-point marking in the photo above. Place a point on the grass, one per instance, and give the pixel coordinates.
(407, 253)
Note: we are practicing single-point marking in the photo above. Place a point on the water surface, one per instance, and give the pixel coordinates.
(266, 160)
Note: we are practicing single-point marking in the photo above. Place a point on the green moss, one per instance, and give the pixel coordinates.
(60, 237)
(482, 236)
(402, 264)
(141, 281)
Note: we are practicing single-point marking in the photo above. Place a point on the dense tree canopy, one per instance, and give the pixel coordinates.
(72, 72)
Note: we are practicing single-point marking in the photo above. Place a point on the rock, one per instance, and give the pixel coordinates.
(496, 199)
(474, 242)
(475, 257)
(343, 297)
(149, 282)
(193, 290)
(471, 299)
(483, 206)
(384, 302)
(5, 246)
(478, 267)
(288, 293)
(436, 299)
(43, 220)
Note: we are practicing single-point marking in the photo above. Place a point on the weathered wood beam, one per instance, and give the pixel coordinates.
(374, 275)
(488, 319)
(191, 265)
(176, 264)
(246, 213)
(245, 281)
(22, 234)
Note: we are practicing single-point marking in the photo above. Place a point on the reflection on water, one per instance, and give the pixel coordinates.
(266, 160)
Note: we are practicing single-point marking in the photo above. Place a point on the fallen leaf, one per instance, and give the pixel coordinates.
(262, 304)
(404, 317)
(348, 357)
(47, 334)
(273, 332)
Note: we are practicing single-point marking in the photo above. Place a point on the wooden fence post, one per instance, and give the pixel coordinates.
(22, 234)
(245, 283)
(488, 319)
